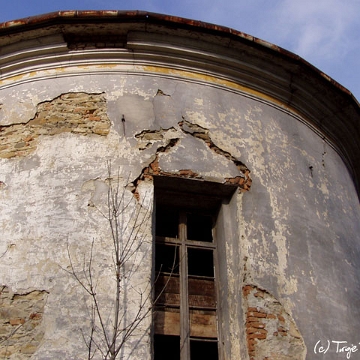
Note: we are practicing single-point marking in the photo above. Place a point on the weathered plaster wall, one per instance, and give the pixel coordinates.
(296, 238)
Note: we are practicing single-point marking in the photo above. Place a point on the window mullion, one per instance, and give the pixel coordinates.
(184, 298)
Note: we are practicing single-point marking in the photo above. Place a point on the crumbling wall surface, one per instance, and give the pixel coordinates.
(21, 330)
(300, 227)
(53, 197)
(297, 219)
(78, 113)
(270, 331)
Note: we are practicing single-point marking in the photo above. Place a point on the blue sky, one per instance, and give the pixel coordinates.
(323, 32)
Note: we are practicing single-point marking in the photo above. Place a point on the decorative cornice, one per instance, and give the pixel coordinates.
(114, 41)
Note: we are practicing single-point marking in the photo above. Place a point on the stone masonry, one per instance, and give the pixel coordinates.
(78, 113)
(20, 322)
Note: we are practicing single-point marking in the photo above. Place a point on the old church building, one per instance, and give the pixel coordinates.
(171, 189)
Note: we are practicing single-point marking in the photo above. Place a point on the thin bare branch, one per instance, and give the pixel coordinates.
(111, 328)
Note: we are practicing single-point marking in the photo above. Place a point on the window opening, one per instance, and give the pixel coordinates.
(167, 258)
(200, 262)
(203, 350)
(165, 346)
(199, 227)
(185, 288)
(169, 224)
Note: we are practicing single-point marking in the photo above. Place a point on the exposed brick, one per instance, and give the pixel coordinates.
(250, 319)
(22, 313)
(246, 291)
(271, 316)
(18, 321)
(257, 336)
(36, 316)
(78, 113)
(257, 314)
(259, 294)
(255, 324)
(263, 312)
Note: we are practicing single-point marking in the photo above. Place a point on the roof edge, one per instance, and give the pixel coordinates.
(63, 16)
(322, 102)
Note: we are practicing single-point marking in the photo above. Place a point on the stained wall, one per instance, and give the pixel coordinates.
(291, 250)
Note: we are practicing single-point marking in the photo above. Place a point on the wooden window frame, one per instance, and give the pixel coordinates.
(185, 196)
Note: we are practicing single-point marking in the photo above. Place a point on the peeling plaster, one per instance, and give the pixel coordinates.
(286, 222)
(21, 330)
(78, 113)
(243, 180)
(271, 331)
(148, 138)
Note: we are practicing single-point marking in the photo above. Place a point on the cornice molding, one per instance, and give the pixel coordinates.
(137, 42)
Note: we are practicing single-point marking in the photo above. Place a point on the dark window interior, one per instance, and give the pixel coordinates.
(199, 227)
(203, 350)
(200, 262)
(167, 347)
(167, 222)
(167, 258)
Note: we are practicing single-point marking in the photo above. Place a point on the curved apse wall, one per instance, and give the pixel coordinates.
(174, 107)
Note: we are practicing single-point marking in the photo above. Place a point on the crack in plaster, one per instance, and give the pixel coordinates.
(153, 168)
(161, 93)
(197, 131)
(78, 113)
(147, 138)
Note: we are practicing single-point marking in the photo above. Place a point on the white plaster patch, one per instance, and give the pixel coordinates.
(199, 102)
(196, 117)
(324, 188)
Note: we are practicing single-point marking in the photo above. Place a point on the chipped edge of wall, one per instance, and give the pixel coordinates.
(270, 330)
(21, 316)
(145, 138)
(85, 113)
